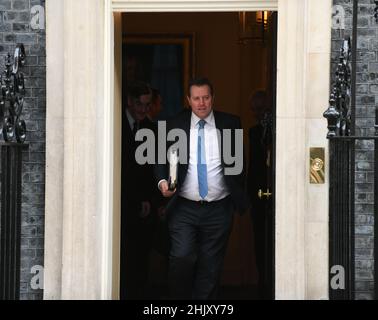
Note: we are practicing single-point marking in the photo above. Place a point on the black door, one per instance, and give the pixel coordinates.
(261, 173)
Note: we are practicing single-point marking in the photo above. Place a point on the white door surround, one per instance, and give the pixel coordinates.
(83, 144)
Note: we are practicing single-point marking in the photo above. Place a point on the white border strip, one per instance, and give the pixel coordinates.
(193, 5)
(107, 161)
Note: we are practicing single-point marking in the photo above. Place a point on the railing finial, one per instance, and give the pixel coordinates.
(338, 112)
(12, 91)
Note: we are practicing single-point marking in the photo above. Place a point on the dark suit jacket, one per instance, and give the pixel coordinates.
(235, 183)
(138, 182)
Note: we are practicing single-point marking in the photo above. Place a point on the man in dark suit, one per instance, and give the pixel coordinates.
(260, 178)
(200, 211)
(138, 196)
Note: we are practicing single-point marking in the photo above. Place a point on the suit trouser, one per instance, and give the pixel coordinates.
(262, 229)
(136, 245)
(198, 233)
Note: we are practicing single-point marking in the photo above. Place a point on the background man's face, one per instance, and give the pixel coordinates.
(139, 108)
(259, 105)
(201, 101)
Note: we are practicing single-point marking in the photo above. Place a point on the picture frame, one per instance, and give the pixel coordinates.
(164, 60)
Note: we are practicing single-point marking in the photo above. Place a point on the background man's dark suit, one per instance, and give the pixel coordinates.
(180, 286)
(261, 210)
(138, 184)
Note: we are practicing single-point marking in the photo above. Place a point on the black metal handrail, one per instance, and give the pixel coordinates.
(12, 91)
(340, 116)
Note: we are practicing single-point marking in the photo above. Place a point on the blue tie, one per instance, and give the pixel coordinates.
(201, 160)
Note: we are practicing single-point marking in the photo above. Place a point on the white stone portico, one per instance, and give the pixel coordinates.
(83, 142)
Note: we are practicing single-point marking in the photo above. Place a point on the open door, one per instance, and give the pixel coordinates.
(117, 153)
(270, 261)
(268, 196)
(261, 171)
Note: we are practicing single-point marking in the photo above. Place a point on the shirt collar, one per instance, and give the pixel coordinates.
(130, 119)
(210, 121)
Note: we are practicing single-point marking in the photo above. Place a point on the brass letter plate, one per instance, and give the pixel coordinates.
(317, 165)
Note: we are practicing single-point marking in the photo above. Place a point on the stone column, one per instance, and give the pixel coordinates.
(76, 147)
(54, 149)
(304, 31)
(317, 196)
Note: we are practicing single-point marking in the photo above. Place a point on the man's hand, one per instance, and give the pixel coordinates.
(146, 209)
(163, 186)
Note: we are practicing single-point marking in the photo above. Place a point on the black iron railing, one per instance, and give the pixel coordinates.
(341, 152)
(12, 97)
(342, 139)
(10, 244)
(13, 130)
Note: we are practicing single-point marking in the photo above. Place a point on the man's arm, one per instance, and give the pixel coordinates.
(161, 172)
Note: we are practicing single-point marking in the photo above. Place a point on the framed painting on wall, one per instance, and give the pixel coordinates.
(165, 61)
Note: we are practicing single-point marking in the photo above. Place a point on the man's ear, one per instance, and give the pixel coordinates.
(188, 98)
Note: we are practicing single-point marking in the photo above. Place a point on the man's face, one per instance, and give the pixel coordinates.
(258, 107)
(139, 108)
(201, 101)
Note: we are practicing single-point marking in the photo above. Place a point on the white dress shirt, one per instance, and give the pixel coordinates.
(130, 119)
(217, 188)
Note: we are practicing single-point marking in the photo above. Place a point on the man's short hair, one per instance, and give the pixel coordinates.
(199, 82)
(137, 89)
(259, 96)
